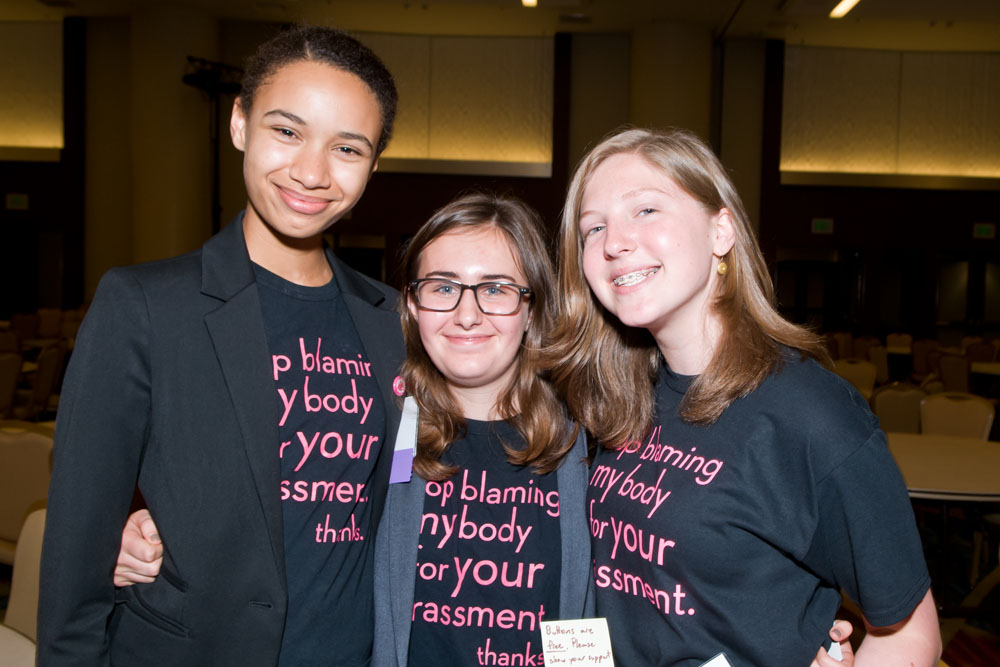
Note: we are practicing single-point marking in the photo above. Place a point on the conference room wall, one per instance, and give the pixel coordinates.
(41, 224)
(741, 114)
(599, 89)
(879, 236)
(171, 178)
(671, 76)
(596, 76)
(108, 200)
(146, 178)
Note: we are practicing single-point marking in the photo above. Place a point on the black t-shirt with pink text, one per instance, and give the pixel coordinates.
(331, 428)
(489, 557)
(738, 537)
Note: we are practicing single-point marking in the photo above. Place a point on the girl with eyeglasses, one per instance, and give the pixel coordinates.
(489, 537)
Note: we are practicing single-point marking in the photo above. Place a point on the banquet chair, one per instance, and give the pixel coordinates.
(898, 340)
(845, 344)
(879, 355)
(10, 371)
(9, 342)
(969, 340)
(954, 372)
(955, 413)
(897, 407)
(830, 340)
(858, 372)
(980, 352)
(932, 384)
(934, 361)
(862, 344)
(16, 650)
(49, 321)
(921, 347)
(22, 606)
(30, 402)
(25, 469)
(68, 330)
(25, 325)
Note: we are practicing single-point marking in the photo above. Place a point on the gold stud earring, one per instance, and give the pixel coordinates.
(722, 268)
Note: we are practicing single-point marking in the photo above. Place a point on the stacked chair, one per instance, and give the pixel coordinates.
(957, 413)
(897, 407)
(859, 372)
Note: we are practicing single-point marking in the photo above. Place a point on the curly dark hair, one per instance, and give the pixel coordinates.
(325, 45)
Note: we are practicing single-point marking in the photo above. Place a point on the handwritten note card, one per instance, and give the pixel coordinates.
(583, 641)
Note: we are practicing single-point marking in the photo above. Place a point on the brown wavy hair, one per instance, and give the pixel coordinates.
(606, 370)
(530, 403)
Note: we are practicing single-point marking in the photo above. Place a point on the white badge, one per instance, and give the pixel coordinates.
(406, 443)
(583, 641)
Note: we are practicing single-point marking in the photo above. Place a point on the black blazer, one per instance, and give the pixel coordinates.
(170, 387)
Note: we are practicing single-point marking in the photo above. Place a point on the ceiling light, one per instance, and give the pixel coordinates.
(844, 6)
(529, 3)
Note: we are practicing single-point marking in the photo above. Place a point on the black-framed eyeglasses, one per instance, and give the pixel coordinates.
(493, 298)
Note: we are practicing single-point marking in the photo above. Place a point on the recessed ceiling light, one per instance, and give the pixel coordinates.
(842, 8)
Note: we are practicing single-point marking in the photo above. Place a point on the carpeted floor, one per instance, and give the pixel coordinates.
(971, 647)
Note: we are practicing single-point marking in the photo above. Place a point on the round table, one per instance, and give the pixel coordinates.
(951, 469)
(947, 467)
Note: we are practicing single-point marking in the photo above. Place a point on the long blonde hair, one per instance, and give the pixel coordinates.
(530, 403)
(606, 370)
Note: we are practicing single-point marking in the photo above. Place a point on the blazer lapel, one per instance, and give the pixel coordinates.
(240, 342)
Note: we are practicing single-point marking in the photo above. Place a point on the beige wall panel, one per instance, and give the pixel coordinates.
(840, 110)
(477, 100)
(409, 60)
(31, 81)
(891, 112)
(950, 114)
(491, 99)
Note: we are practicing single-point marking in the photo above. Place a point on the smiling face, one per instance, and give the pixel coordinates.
(477, 354)
(650, 251)
(309, 150)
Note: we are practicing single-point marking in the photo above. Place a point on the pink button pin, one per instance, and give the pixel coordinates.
(399, 386)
